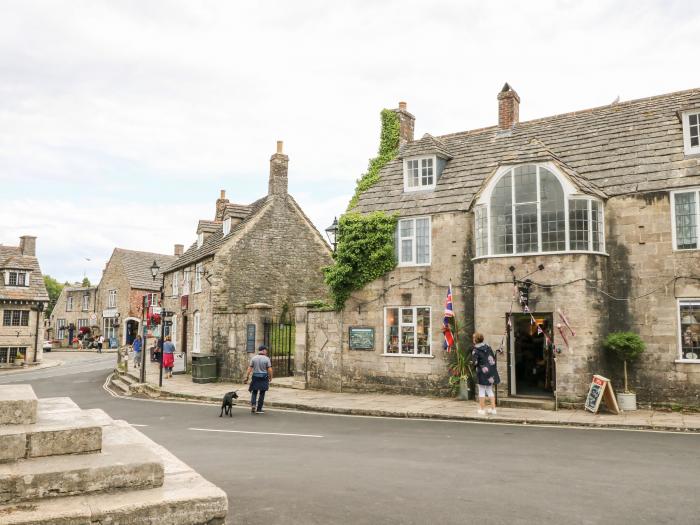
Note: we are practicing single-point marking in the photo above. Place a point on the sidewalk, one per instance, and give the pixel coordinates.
(405, 406)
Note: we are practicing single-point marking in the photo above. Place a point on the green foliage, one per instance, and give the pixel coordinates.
(365, 252)
(388, 149)
(627, 346)
(86, 282)
(53, 287)
(319, 305)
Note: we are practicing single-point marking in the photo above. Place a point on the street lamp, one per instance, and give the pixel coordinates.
(332, 232)
(155, 269)
(39, 308)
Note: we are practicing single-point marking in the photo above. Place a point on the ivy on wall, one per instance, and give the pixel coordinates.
(388, 149)
(365, 252)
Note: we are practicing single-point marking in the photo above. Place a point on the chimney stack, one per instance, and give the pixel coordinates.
(407, 123)
(221, 203)
(179, 250)
(27, 245)
(279, 166)
(508, 107)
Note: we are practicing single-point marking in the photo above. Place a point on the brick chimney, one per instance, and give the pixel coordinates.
(407, 124)
(27, 245)
(221, 203)
(179, 250)
(508, 107)
(279, 166)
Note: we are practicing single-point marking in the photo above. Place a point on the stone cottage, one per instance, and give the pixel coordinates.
(251, 263)
(75, 308)
(126, 280)
(553, 232)
(23, 298)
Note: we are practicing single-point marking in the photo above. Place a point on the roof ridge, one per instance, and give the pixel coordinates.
(141, 251)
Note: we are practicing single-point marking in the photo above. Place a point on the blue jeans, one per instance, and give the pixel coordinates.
(260, 398)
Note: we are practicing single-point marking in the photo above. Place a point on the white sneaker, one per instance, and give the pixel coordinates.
(481, 412)
(492, 411)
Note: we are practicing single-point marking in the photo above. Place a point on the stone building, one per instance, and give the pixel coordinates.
(587, 218)
(75, 308)
(126, 280)
(23, 298)
(250, 263)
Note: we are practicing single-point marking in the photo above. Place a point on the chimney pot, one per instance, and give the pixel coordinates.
(221, 203)
(402, 106)
(279, 146)
(179, 250)
(279, 166)
(407, 124)
(223, 194)
(508, 107)
(27, 245)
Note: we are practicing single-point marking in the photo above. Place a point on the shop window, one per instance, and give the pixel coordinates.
(689, 314)
(407, 330)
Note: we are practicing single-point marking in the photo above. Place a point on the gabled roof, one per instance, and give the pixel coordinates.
(205, 226)
(11, 258)
(137, 267)
(427, 145)
(628, 147)
(236, 211)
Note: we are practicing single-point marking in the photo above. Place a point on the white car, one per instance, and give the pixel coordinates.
(47, 346)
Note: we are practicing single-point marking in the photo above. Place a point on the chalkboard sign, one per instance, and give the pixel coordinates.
(601, 390)
(361, 338)
(250, 338)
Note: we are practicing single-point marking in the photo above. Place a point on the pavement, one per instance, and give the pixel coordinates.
(281, 395)
(294, 467)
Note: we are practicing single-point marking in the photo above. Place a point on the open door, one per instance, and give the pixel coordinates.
(530, 359)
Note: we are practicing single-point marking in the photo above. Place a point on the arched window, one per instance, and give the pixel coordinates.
(529, 209)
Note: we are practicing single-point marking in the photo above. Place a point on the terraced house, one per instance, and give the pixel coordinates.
(589, 218)
(75, 309)
(23, 297)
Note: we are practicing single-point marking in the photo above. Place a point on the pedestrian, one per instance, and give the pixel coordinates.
(261, 370)
(168, 357)
(137, 345)
(484, 360)
(100, 342)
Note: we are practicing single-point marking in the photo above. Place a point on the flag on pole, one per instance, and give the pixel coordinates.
(449, 313)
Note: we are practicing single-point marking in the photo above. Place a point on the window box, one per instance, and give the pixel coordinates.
(407, 331)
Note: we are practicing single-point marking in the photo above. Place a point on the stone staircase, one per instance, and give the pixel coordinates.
(63, 465)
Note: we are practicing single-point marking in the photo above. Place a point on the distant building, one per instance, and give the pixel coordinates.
(75, 308)
(23, 297)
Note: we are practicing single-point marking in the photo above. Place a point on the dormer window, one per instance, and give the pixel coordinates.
(16, 278)
(227, 226)
(200, 239)
(419, 173)
(691, 132)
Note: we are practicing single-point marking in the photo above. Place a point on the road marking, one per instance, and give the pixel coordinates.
(137, 425)
(258, 433)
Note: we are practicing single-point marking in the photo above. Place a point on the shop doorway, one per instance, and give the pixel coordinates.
(531, 359)
(132, 330)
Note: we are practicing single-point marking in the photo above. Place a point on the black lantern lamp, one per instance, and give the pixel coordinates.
(154, 269)
(332, 232)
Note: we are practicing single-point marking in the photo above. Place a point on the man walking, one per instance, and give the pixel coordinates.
(261, 370)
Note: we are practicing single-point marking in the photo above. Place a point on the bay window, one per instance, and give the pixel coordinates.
(413, 242)
(407, 331)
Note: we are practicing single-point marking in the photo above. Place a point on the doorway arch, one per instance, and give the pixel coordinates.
(131, 329)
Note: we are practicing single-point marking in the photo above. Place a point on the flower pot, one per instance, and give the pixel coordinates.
(627, 401)
(466, 390)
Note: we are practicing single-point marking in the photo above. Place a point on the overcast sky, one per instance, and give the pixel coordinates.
(120, 121)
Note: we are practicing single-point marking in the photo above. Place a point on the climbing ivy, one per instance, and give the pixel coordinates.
(388, 149)
(365, 252)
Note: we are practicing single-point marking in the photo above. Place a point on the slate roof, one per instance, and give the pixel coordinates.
(137, 266)
(628, 147)
(237, 211)
(11, 258)
(208, 226)
(427, 145)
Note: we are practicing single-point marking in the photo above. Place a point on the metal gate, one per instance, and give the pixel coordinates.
(278, 336)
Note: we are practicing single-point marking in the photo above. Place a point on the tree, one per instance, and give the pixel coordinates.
(626, 346)
(53, 287)
(86, 282)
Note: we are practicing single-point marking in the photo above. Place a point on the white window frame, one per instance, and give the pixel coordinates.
(692, 302)
(399, 250)
(196, 333)
(61, 328)
(173, 331)
(186, 281)
(697, 219)
(687, 148)
(227, 226)
(86, 302)
(69, 303)
(421, 186)
(415, 334)
(198, 271)
(176, 284)
(111, 298)
(17, 273)
(82, 323)
(570, 193)
(200, 239)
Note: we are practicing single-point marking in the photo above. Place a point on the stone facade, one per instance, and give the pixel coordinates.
(74, 308)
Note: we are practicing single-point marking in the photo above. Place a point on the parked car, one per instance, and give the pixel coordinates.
(48, 344)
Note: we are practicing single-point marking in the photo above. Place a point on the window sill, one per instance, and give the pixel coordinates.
(419, 356)
(684, 250)
(539, 254)
(409, 265)
(419, 189)
(687, 361)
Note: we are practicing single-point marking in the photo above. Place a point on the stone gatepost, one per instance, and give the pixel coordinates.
(301, 311)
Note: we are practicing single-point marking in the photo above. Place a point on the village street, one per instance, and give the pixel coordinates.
(293, 467)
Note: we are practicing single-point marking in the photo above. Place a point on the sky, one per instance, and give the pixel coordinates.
(120, 121)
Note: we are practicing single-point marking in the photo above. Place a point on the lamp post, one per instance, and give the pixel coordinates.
(332, 233)
(39, 309)
(155, 268)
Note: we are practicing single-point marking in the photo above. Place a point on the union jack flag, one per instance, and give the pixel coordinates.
(449, 313)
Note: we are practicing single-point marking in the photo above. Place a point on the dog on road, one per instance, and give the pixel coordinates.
(227, 403)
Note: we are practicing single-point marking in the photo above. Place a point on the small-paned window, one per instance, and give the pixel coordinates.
(482, 231)
(407, 330)
(186, 281)
(578, 224)
(16, 278)
(112, 299)
(419, 174)
(691, 132)
(15, 318)
(198, 271)
(176, 276)
(196, 347)
(86, 302)
(689, 314)
(685, 207)
(413, 241)
(9, 354)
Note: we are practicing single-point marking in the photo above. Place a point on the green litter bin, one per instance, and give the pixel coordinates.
(204, 369)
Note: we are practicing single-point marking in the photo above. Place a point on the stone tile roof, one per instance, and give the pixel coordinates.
(629, 147)
(11, 258)
(237, 211)
(214, 241)
(427, 145)
(137, 266)
(208, 226)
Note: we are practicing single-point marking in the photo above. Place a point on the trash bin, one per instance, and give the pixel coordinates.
(204, 369)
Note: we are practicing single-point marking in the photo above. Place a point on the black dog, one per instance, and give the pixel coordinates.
(227, 403)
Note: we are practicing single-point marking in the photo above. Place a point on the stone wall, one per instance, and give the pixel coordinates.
(61, 311)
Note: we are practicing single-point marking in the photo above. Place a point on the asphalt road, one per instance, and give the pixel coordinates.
(291, 467)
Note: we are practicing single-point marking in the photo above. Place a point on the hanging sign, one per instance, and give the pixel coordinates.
(601, 390)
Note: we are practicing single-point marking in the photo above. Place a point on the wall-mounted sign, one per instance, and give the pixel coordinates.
(110, 312)
(361, 338)
(250, 338)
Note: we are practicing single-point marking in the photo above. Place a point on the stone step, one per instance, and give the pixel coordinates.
(17, 405)
(119, 384)
(61, 428)
(538, 403)
(117, 467)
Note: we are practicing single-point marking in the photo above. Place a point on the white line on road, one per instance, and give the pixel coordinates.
(259, 433)
(137, 425)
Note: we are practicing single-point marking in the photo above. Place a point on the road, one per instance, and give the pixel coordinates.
(291, 467)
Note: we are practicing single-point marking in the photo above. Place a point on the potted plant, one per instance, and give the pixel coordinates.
(626, 346)
(19, 359)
